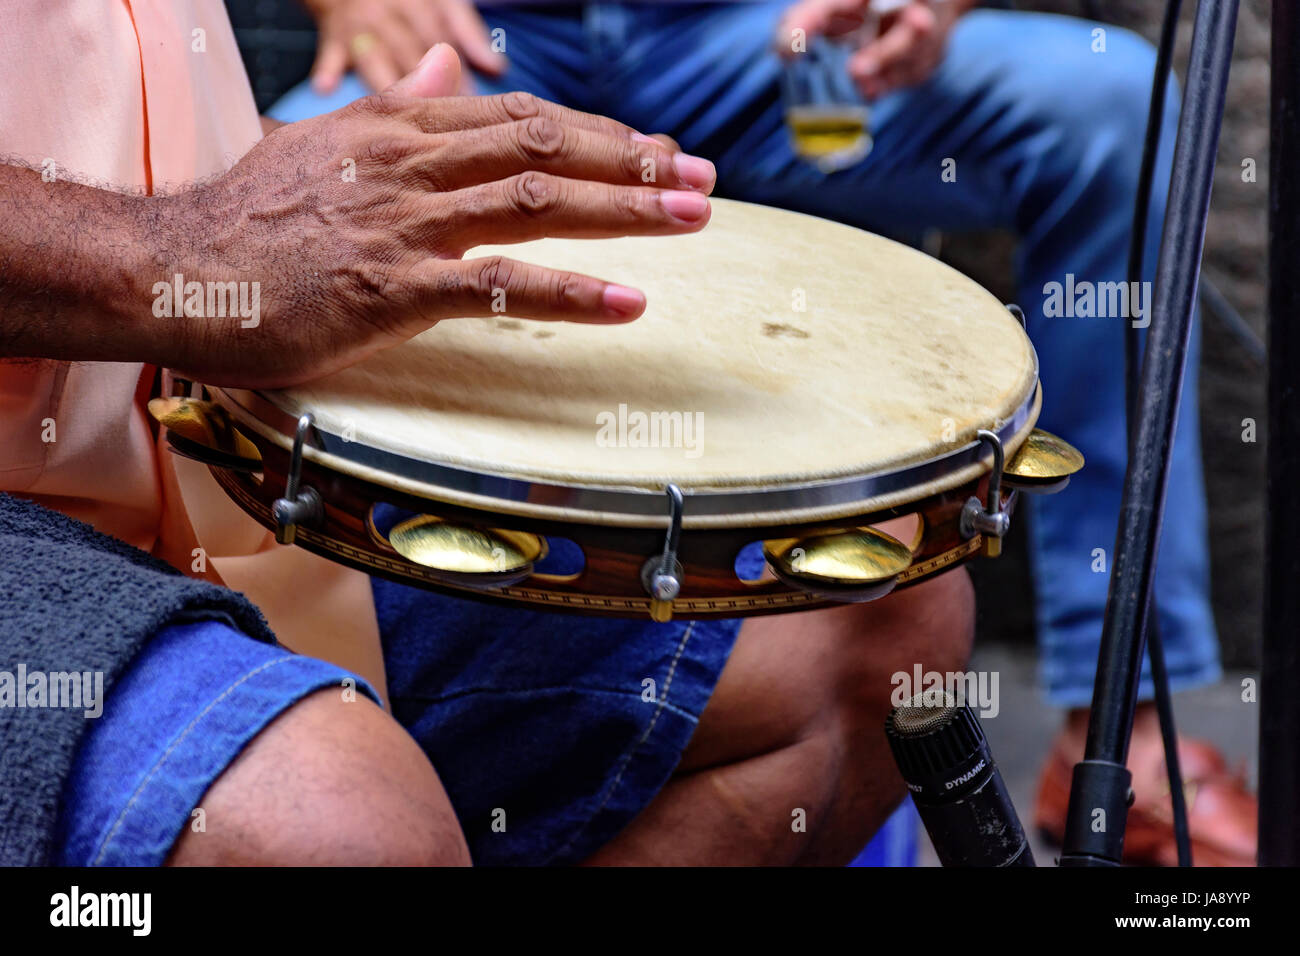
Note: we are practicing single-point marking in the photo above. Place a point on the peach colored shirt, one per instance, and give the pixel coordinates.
(138, 95)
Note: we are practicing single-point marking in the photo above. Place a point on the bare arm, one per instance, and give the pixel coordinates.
(350, 228)
(73, 262)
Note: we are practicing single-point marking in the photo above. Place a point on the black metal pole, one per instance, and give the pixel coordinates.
(1099, 796)
(1146, 176)
(1279, 692)
(1136, 252)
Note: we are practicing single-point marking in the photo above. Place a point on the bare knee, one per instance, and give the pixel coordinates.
(797, 723)
(794, 675)
(941, 612)
(930, 625)
(328, 782)
(872, 650)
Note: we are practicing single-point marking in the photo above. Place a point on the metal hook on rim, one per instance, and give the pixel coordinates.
(987, 518)
(662, 575)
(297, 506)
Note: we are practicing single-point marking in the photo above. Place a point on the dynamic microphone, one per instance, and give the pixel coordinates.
(945, 761)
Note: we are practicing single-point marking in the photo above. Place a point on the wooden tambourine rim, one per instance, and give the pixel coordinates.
(639, 508)
(348, 538)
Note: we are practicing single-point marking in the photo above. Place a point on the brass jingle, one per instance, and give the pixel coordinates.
(206, 424)
(1044, 459)
(488, 557)
(1038, 489)
(857, 594)
(853, 559)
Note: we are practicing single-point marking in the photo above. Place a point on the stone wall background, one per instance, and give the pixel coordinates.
(1232, 384)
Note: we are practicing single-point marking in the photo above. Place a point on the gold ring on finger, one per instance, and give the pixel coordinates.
(362, 44)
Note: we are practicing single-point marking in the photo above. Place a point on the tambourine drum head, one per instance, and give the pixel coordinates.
(777, 349)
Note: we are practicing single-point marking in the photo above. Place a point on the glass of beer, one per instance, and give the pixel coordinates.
(828, 119)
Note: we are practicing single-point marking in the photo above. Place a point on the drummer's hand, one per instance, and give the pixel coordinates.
(384, 39)
(355, 222)
(906, 51)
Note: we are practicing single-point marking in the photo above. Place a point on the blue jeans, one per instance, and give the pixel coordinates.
(1046, 137)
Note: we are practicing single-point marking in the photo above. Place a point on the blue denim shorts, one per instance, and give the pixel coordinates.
(191, 700)
(549, 732)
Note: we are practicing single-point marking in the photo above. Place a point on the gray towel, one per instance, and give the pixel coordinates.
(73, 600)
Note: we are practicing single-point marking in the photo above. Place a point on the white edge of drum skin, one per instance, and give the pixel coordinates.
(740, 519)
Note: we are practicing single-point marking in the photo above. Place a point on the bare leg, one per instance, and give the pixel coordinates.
(796, 724)
(327, 783)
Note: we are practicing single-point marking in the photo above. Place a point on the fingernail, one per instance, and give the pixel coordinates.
(429, 53)
(623, 302)
(694, 170)
(686, 206)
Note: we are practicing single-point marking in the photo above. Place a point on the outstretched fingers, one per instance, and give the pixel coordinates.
(495, 285)
(544, 144)
(532, 205)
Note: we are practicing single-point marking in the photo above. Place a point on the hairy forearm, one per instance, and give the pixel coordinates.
(75, 270)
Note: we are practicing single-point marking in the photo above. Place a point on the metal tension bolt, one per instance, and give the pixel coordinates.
(662, 575)
(297, 507)
(988, 519)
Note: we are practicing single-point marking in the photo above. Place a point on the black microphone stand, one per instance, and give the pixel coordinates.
(1132, 365)
(1279, 706)
(1100, 792)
